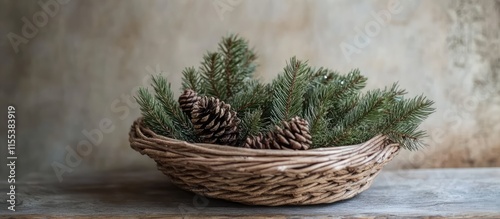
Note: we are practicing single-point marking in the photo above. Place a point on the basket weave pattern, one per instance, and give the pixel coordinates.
(266, 177)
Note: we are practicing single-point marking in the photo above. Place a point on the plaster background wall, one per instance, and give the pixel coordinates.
(82, 66)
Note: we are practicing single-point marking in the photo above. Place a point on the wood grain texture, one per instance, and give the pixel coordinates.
(455, 193)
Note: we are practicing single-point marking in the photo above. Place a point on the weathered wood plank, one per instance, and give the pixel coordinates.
(437, 193)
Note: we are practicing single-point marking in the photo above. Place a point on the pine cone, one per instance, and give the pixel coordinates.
(187, 100)
(292, 135)
(214, 121)
(259, 141)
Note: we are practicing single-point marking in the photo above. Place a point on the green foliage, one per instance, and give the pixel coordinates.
(318, 102)
(162, 113)
(346, 93)
(224, 73)
(251, 124)
(337, 110)
(326, 101)
(289, 89)
(403, 118)
(253, 96)
(212, 74)
(238, 64)
(360, 115)
(191, 80)
(154, 116)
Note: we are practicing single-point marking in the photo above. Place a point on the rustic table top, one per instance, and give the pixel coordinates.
(472, 193)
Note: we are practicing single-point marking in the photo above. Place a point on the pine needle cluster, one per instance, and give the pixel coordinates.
(337, 110)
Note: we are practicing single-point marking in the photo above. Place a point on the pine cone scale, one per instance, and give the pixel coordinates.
(295, 145)
(187, 101)
(301, 138)
(288, 134)
(215, 127)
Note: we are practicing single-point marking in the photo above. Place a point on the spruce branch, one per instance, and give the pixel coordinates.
(251, 124)
(357, 125)
(223, 73)
(367, 108)
(329, 97)
(171, 108)
(211, 73)
(191, 80)
(267, 105)
(322, 76)
(347, 89)
(237, 64)
(403, 119)
(318, 102)
(342, 107)
(289, 89)
(317, 79)
(253, 95)
(153, 115)
(352, 82)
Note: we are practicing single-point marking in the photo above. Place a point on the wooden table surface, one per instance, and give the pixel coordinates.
(471, 193)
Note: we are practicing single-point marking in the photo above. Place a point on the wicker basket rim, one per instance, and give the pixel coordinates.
(140, 129)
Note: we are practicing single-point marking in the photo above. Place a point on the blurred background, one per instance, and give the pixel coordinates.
(71, 68)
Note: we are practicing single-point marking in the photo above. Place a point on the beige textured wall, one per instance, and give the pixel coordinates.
(83, 64)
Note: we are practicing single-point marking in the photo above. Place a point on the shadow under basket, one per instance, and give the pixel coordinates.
(266, 177)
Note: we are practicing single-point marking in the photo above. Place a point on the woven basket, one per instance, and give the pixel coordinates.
(266, 177)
